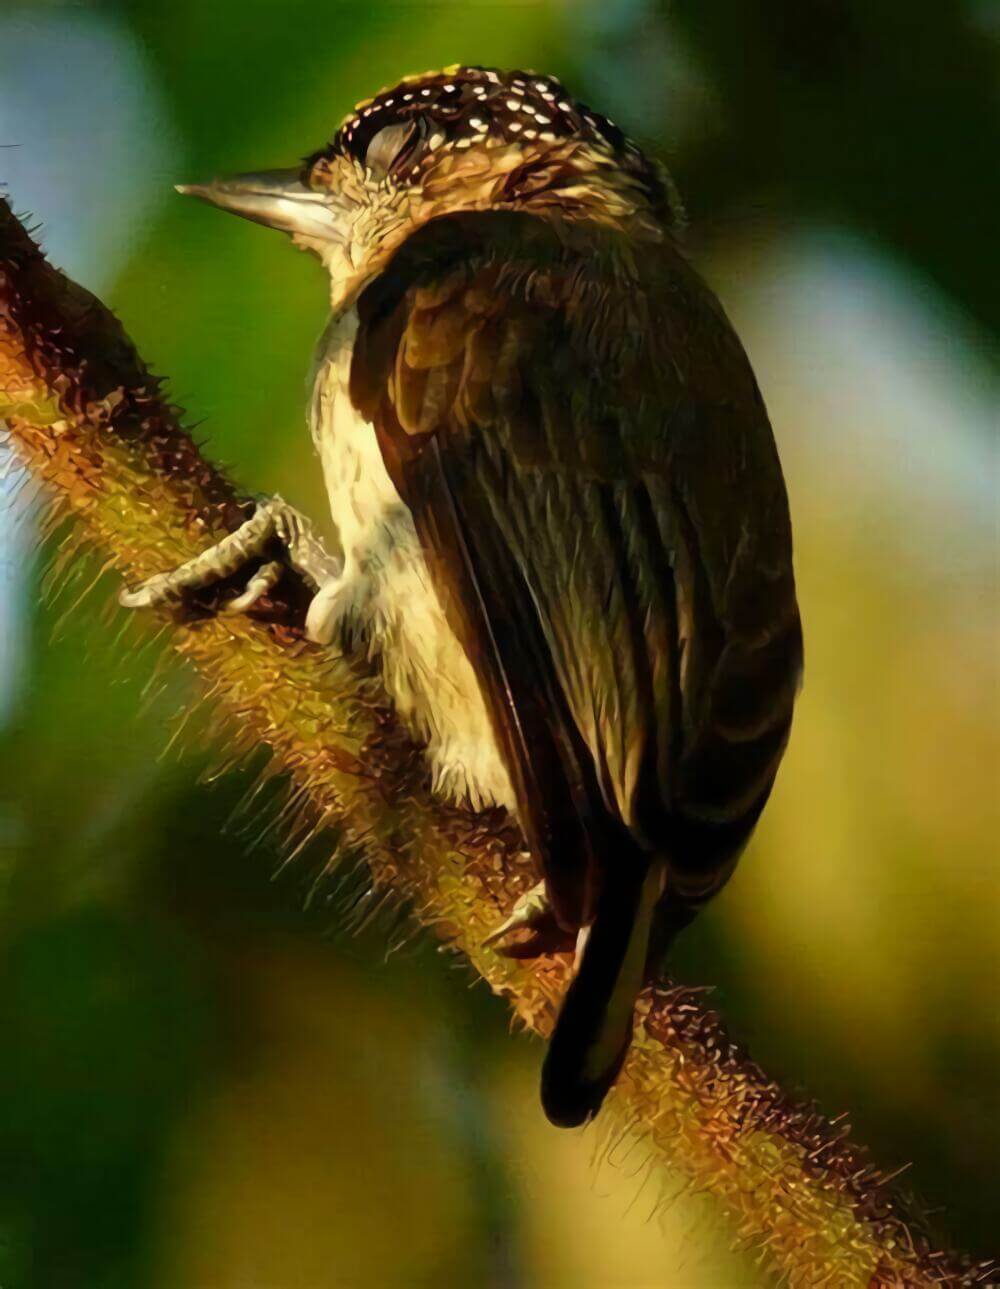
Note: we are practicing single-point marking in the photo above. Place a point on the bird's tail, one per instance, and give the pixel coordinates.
(594, 1027)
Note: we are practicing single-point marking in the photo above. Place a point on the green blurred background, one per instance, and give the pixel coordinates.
(205, 1080)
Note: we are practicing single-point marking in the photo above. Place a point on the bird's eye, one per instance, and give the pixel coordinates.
(389, 146)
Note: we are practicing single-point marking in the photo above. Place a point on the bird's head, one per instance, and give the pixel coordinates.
(462, 139)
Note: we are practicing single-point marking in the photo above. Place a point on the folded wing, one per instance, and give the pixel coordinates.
(591, 472)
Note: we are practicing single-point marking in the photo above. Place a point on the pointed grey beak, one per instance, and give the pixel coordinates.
(276, 198)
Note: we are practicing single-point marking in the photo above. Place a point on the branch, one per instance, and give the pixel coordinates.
(85, 417)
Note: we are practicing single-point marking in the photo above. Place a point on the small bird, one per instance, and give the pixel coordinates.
(563, 525)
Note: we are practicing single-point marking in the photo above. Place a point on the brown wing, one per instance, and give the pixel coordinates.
(593, 478)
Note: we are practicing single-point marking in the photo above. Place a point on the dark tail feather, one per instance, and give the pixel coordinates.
(594, 1027)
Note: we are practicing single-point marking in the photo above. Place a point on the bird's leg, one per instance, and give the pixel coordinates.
(273, 520)
(333, 603)
(531, 930)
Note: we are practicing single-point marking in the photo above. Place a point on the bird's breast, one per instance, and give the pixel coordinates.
(392, 606)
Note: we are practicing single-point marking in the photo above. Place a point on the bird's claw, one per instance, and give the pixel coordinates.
(531, 930)
(266, 577)
(273, 519)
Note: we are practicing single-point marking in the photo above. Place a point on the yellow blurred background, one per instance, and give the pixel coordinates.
(206, 1081)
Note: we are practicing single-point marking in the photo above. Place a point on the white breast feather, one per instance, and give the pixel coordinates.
(385, 597)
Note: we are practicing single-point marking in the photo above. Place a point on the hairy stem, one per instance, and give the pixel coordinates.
(84, 415)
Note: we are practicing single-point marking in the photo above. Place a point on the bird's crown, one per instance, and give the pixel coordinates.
(402, 134)
(464, 106)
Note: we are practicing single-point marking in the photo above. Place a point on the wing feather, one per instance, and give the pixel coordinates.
(593, 477)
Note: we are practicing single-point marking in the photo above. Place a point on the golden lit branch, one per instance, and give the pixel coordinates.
(87, 419)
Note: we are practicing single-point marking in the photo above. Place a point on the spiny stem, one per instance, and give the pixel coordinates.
(85, 416)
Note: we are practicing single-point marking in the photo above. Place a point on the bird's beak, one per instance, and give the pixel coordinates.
(276, 198)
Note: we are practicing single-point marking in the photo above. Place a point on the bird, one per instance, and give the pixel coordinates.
(563, 526)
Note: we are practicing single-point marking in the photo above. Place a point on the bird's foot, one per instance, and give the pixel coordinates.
(531, 930)
(273, 521)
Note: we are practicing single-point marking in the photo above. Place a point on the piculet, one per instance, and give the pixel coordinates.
(564, 531)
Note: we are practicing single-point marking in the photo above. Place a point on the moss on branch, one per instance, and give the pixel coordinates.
(84, 415)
